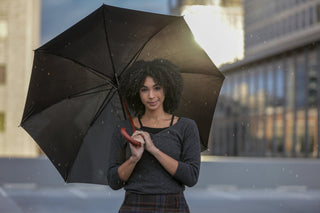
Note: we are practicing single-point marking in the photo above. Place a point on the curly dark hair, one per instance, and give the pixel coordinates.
(163, 72)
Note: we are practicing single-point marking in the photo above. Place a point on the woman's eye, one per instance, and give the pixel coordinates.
(143, 89)
(157, 88)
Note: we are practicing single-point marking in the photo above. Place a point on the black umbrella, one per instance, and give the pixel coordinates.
(73, 101)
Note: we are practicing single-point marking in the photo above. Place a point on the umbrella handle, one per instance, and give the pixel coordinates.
(128, 138)
(128, 113)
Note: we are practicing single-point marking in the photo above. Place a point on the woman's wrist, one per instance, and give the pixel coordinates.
(154, 151)
(134, 159)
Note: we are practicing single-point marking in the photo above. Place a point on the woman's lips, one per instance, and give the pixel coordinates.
(153, 103)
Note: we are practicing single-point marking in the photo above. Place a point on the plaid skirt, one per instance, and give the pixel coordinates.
(140, 203)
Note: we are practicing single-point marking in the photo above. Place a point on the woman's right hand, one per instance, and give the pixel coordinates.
(137, 151)
(126, 168)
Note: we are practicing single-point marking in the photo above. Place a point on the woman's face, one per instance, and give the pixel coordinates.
(152, 94)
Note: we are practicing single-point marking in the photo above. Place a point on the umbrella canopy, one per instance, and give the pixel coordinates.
(73, 101)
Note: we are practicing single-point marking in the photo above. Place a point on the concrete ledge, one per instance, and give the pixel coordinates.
(251, 173)
(216, 172)
(29, 171)
(7, 204)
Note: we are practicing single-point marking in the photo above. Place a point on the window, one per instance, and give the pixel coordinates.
(301, 79)
(303, 19)
(311, 10)
(3, 29)
(2, 74)
(2, 122)
(318, 12)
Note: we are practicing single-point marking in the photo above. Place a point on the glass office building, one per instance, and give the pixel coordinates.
(269, 104)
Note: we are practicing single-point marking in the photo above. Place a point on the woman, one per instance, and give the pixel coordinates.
(154, 174)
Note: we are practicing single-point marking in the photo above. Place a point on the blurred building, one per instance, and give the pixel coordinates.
(212, 23)
(270, 101)
(19, 35)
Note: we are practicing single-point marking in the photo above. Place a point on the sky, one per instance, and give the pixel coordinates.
(59, 15)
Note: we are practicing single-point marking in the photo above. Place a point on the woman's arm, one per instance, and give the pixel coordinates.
(165, 160)
(120, 168)
(189, 164)
(186, 169)
(170, 164)
(126, 169)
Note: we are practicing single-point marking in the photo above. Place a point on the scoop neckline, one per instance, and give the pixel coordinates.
(164, 128)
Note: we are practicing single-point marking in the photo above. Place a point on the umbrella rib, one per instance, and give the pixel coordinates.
(82, 93)
(89, 93)
(102, 106)
(142, 47)
(95, 72)
(79, 94)
(108, 43)
(28, 115)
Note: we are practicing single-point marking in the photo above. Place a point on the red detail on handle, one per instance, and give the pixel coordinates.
(128, 138)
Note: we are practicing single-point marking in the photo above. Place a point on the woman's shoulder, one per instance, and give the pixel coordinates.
(187, 122)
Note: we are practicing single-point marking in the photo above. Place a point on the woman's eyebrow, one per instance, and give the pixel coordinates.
(155, 85)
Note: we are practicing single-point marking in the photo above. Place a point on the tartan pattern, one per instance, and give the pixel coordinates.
(159, 203)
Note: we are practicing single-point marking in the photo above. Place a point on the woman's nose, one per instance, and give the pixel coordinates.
(151, 94)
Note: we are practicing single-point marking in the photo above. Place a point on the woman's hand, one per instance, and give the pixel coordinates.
(148, 143)
(126, 169)
(137, 151)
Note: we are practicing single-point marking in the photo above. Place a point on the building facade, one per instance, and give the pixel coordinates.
(19, 35)
(270, 102)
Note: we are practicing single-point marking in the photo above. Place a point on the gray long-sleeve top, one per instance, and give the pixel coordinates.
(180, 141)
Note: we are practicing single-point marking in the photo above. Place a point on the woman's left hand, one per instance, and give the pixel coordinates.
(149, 146)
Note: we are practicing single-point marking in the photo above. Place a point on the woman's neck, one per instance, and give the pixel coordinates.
(156, 118)
(155, 115)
